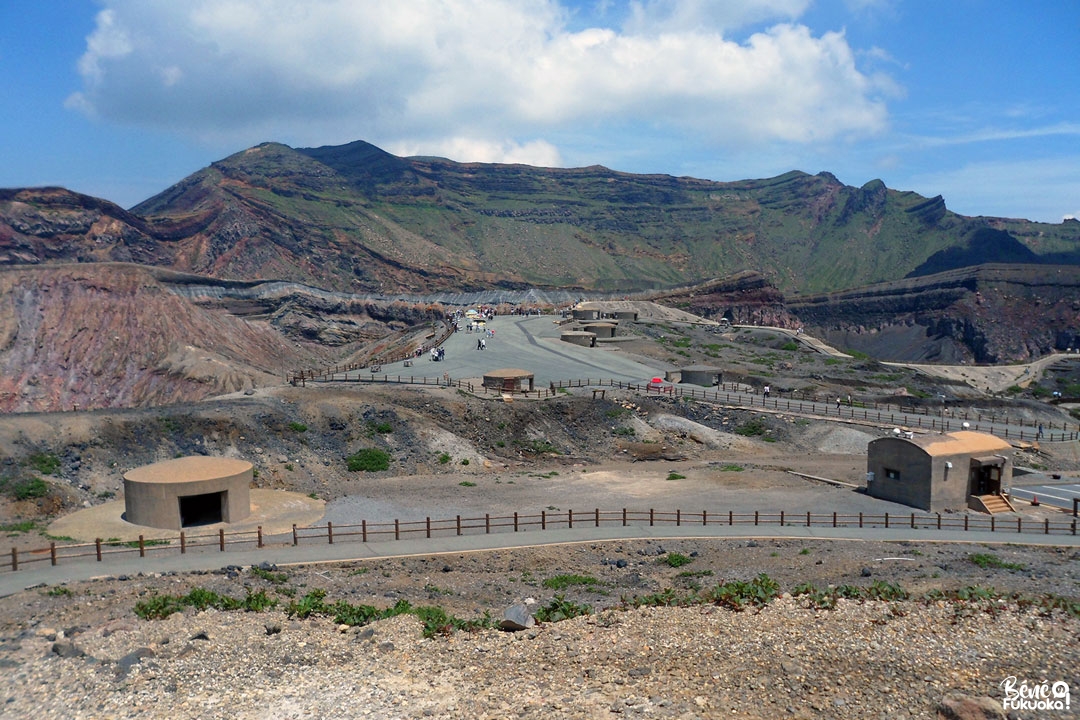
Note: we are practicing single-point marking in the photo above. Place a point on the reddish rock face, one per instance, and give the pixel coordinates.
(108, 335)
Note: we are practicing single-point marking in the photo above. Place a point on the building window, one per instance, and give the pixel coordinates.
(892, 474)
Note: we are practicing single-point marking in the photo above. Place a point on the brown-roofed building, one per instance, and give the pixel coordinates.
(938, 472)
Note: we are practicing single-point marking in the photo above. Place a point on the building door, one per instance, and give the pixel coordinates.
(985, 479)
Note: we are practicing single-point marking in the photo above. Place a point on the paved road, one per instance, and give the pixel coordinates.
(1061, 496)
(316, 551)
(532, 344)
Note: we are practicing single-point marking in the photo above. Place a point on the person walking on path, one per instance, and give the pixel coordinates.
(837, 405)
(765, 392)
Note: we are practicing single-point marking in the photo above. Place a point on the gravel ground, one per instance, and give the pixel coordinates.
(81, 652)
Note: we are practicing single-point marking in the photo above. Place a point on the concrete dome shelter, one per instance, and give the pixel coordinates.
(509, 380)
(187, 492)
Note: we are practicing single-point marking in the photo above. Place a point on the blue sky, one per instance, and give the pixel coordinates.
(976, 100)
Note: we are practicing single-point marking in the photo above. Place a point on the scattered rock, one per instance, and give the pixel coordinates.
(517, 617)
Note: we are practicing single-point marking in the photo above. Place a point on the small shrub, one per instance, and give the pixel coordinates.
(382, 428)
(23, 526)
(561, 582)
(989, 560)
(675, 476)
(44, 463)
(465, 461)
(737, 594)
(368, 460)
(290, 467)
(60, 591)
(731, 468)
(444, 458)
(561, 609)
(29, 489)
(752, 428)
(467, 483)
(538, 447)
(277, 578)
(623, 431)
(677, 560)
(791, 346)
(298, 427)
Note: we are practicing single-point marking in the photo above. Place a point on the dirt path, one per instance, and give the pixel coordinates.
(995, 379)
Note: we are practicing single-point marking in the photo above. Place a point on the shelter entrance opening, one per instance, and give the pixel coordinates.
(986, 475)
(205, 509)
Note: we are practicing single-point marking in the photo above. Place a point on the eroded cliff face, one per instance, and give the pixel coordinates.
(746, 298)
(985, 314)
(104, 335)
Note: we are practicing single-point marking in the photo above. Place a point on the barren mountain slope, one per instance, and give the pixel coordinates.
(99, 335)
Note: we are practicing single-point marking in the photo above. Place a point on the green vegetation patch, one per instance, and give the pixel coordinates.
(752, 428)
(368, 460)
(44, 463)
(674, 559)
(561, 582)
(989, 560)
(159, 607)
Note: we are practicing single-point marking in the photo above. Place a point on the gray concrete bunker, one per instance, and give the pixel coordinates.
(188, 492)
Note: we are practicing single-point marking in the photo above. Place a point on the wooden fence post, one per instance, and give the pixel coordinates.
(597, 511)
(52, 552)
(652, 517)
(221, 539)
(329, 533)
(295, 537)
(363, 530)
(458, 524)
(97, 547)
(427, 525)
(142, 546)
(14, 559)
(624, 517)
(397, 529)
(570, 519)
(543, 519)
(183, 543)
(515, 521)
(260, 540)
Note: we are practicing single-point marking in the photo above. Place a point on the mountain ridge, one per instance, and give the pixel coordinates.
(354, 218)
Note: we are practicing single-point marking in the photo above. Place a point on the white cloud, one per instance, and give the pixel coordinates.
(649, 17)
(427, 73)
(1036, 189)
(538, 153)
